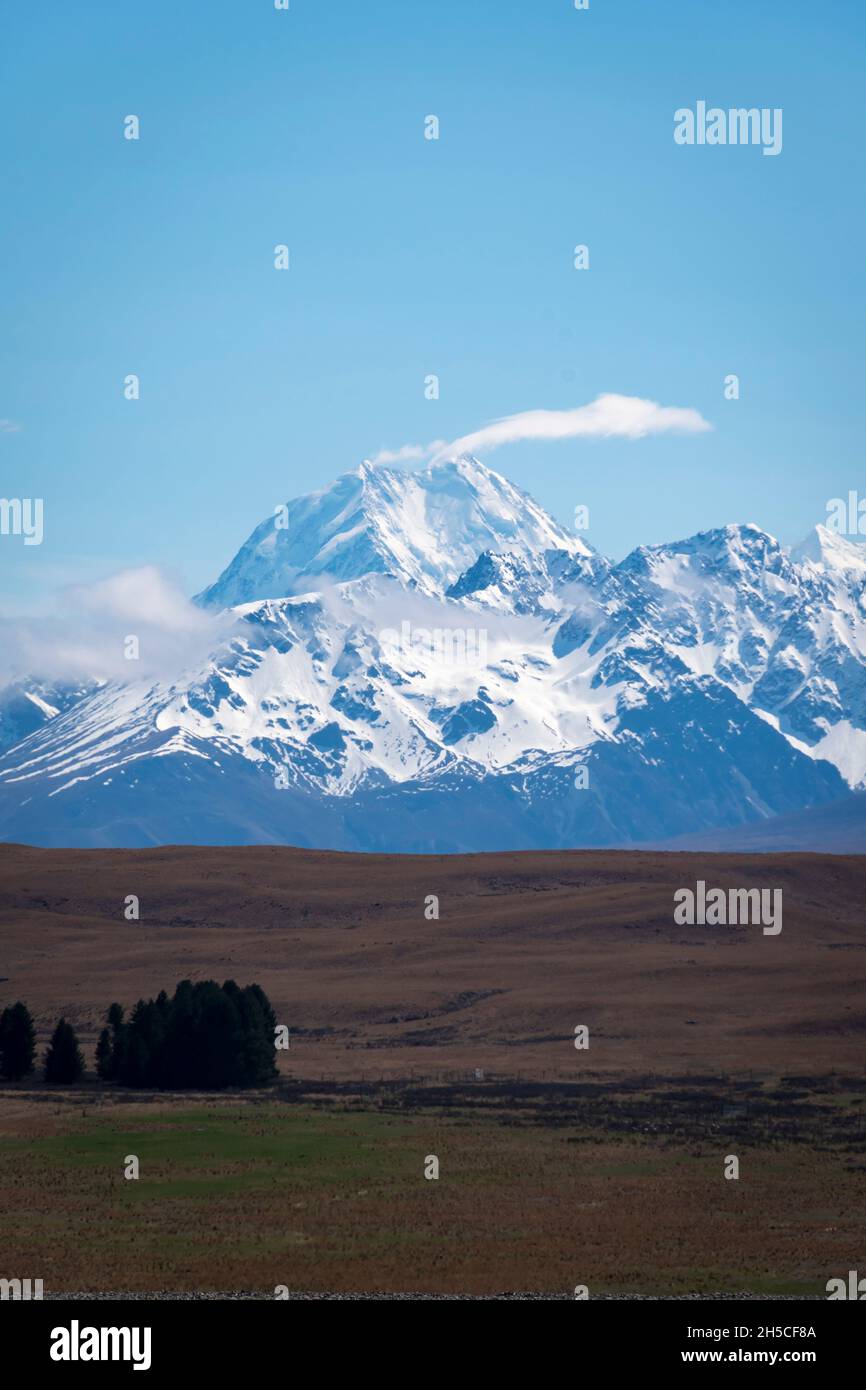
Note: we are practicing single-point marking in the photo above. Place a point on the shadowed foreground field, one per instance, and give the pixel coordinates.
(412, 1037)
(252, 1195)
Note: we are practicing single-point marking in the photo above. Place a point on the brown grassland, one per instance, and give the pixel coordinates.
(558, 1166)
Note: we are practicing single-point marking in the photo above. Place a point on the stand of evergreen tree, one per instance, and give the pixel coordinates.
(206, 1037)
(17, 1043)
(64, 1063)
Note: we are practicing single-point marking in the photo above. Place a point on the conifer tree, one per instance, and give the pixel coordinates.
(64, 1063)
(207, 1036)
(17, 1042)
(105, 1056)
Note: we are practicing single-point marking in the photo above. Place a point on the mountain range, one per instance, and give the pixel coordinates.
(428, 662)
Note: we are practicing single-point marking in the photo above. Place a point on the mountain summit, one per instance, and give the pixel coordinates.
(423, 528)
(427, 661)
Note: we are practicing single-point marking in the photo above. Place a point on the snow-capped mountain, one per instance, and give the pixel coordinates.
(428, 661)
(424, 527)
(26, 705)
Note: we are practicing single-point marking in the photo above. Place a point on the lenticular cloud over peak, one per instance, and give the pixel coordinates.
(609, 416)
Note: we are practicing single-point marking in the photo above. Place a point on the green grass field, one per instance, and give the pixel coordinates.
(246, 1194)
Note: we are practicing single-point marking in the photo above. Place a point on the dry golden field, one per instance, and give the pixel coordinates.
(413, 1037)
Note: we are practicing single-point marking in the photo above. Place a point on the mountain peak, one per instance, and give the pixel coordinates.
(736, 548)
(825, 547)
(392, 717)
(741, 536)
(422, 527)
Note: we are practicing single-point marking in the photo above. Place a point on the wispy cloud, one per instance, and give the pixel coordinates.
(609, 416)
(9, 427)
(408, 453)
(144, 595)
(86, 636)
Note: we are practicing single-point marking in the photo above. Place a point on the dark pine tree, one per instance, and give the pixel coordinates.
(17, 1043)
(136, 1061)
(182, 1043)
(119, 1039)
(270, 1018)
(105, 1056)
(220, 1051)
(259, 1056)
(206, 1036)
(111, 1048)
(64, 1063)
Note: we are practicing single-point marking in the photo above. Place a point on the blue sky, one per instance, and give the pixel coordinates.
(411, 257)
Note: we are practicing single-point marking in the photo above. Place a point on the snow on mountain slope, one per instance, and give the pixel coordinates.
(785, 631)
(26, 705)
(337, 687)
(544, 583)
(424, 528)
(831, 552)
(468, 675)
